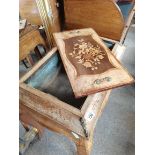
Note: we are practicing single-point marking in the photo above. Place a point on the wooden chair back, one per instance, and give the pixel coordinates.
(104, 16)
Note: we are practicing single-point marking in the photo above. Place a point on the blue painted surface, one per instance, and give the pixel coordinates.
(125, 8)
(45, 73)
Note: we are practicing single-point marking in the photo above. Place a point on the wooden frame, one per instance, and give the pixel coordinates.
(43, 110)
(41, 12)
(110, 25)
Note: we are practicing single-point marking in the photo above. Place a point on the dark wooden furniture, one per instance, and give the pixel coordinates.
(29, 39)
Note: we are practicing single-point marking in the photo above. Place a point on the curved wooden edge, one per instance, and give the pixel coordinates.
(119, 11)
(105, 17)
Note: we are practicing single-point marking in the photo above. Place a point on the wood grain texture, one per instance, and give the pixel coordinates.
(50, 107)
(104, 16)
(91, 67)
(59, 111)
(41, 12)
(37, 108)
(28, 10)
(40, 121)
(38, 65)
(28, 41)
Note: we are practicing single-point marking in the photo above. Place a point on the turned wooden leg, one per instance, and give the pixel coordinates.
(84, 146)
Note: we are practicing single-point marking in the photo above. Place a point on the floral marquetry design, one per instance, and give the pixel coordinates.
(87, 54)
(90, 65)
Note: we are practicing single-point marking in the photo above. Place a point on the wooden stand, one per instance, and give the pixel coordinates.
(58, 116)
(84, 145)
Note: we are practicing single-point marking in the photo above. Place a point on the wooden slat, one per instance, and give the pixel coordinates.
(127, 25)
(49, 106)
(38, 65)
(39, 119)
(49, 98)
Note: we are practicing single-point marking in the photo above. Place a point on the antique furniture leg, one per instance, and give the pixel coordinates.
(28, 138)
(30, 117)
(37, 52)
(28, 120)
(30, 60)
(29, 40)
(84, 146)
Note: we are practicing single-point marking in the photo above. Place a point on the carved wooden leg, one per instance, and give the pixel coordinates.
(84, 146)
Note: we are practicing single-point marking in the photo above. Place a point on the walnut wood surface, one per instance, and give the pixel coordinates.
(28, 10)
(104, 16)
(89, 64)
(87, 41)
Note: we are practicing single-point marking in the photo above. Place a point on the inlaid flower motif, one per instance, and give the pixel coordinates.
(88, 55)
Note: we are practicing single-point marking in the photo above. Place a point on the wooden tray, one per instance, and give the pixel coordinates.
(89, 64)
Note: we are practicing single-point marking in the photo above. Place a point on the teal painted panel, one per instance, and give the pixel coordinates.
(45, 73)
